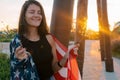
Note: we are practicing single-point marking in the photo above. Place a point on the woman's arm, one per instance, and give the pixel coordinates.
(17, 53)
(21, 67)
(57, 65)
(15, 63)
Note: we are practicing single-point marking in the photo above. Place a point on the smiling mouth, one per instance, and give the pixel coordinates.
(35, 19)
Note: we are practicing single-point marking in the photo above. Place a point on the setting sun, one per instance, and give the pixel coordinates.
(92, 22)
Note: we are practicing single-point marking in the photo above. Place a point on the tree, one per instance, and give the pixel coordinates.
(61, 21)
(101, 29)
(106, 34)
(80, 31)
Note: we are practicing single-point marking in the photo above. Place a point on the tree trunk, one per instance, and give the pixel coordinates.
(80, 31)
(105, 24)
(61, 21)
(101, 29)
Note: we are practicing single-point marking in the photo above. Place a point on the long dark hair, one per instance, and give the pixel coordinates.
(22, 26)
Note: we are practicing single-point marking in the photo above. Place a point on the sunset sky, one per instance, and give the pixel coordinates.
(10, 10)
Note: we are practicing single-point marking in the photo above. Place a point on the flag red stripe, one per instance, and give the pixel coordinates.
(71, 65)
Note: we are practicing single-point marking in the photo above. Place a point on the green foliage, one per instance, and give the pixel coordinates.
(116, 48)
(5, 40)
(7, 35)
(4, 67)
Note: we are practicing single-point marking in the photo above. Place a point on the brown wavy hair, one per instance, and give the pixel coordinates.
(22, 26)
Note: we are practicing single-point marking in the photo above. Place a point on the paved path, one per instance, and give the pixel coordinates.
(94, 69)
(4, 47)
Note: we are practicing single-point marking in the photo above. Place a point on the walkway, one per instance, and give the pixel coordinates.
(94, 69)
(4, 47)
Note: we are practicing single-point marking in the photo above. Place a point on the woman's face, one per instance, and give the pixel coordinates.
(33, 15)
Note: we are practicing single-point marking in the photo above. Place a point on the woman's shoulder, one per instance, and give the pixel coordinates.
(15, 40)
(50, 39)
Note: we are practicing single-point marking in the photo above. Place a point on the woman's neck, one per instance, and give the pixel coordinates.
(32, 35)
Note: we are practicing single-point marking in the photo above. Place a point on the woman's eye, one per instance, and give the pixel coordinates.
(31, 12)
(39, 13)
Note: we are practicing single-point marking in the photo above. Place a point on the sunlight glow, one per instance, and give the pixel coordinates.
(4, 25)
(11, 19)
(92, 22)
(75, 9)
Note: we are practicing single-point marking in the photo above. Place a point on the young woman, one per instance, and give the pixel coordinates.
(33, 50)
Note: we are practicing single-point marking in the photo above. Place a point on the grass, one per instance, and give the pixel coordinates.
(116, 47)
(4, 67)
(116, 54)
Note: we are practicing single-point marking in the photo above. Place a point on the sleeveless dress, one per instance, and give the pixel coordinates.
(41, 53)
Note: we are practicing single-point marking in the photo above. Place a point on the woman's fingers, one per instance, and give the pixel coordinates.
(75, 50)
(72, 49)
(17, 49)
(20, 53)
(67, 54)
(23, 56)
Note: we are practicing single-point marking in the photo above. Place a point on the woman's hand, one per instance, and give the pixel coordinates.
(20, 53)
(73, 49)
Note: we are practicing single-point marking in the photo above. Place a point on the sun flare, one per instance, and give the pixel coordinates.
(92, 22)
(92, 25)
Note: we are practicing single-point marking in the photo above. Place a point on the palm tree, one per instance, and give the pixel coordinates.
(80, 31)
(106, 33)
(117, 28)
(61, 21)
(101, 31)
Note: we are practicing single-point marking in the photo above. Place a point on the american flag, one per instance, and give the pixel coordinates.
(70, 71)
